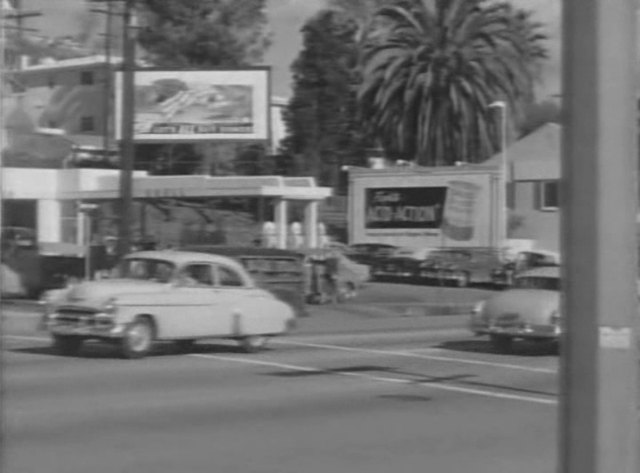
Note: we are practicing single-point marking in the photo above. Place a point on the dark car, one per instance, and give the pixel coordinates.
(402, 265)
(524, 260)
(281, 272)
(461, 266)
(369, 253)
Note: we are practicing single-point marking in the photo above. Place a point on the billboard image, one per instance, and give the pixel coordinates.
(460, 210)
(404, 207)
(452, 208)
(202, 105)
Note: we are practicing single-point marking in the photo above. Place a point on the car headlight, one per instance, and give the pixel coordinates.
(478, 308)
(110, 307)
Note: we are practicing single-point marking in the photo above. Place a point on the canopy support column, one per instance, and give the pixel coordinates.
(311, 224)
(281, 218)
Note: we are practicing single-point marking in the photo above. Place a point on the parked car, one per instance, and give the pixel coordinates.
(369, 253)
(524, 260)
(461, 266)
(529, 310)
(281, 272)
(402, 265)
(166, 295)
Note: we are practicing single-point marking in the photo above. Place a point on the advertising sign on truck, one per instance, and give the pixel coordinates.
(446, 206)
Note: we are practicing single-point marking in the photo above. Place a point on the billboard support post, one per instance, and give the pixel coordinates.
(599, 364)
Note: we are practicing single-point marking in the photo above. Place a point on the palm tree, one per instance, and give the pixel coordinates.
(431, 68)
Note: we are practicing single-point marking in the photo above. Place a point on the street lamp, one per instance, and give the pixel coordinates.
(504, 177)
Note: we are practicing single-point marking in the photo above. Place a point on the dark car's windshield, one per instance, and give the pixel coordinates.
(146, 269)
(538, 282)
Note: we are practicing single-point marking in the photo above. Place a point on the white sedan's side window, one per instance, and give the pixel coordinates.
(197, 275)
(228, 277)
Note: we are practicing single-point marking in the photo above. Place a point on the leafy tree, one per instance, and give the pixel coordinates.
(321, 115)
(361, 11)
(201, 33)
(432, 68)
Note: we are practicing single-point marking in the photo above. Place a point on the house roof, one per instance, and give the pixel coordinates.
(535, 157)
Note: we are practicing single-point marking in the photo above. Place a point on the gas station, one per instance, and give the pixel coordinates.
(56, 195)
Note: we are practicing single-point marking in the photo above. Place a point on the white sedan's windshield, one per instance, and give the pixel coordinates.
(146, 269)
(538, 282)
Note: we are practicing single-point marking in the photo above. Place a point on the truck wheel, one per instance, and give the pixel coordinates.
(67, 345)
(253, 343)
(502, 343)
(138, 339)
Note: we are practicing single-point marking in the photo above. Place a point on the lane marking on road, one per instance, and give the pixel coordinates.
(386, 379)
(407, 354)
(412, 354)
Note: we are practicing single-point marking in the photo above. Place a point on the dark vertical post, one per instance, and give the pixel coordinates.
(127, 145)
(599, 363)
(108, 70)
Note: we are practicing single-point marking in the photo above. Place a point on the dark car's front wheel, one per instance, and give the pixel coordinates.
(138, 339)
(67, 345)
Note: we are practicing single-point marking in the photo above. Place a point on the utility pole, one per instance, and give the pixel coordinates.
(599, 360)
(108, 71)
(127, 145)
(18, 15)
(127, 148)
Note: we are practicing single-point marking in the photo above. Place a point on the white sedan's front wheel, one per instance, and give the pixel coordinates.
(138, 339)
(253, 343)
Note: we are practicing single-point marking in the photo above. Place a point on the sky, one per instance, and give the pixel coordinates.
(61, 17)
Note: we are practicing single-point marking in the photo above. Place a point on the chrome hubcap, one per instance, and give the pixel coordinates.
(139, 337)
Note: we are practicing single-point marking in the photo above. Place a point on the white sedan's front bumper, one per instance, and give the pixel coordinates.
(90, 328)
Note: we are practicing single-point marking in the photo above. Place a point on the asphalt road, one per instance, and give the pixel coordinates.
(429, 398)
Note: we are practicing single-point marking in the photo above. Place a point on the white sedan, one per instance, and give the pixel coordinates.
(166, 295)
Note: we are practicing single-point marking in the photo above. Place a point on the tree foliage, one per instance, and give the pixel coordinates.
(431, 69)
(362, 12)
(200, 33)
(321, 115)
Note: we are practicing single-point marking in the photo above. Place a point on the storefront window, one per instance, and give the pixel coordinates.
(549, 195)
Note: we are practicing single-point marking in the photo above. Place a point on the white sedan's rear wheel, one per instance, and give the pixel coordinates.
(254, 343)
(138, 339)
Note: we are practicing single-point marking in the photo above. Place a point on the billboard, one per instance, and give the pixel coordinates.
(445, 208)
(198, 105)
(404, 207)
